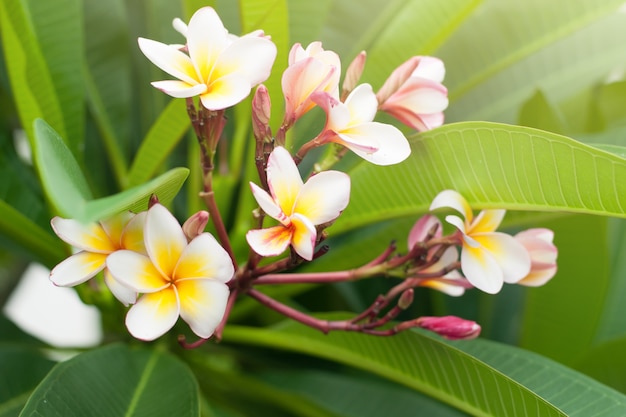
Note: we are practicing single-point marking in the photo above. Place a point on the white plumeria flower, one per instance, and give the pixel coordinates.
(298, 206)
(221, 69)
(488, 258)
(351, 125)
(96, 242)
(175, 278)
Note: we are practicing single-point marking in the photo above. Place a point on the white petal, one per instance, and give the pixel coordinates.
(179, 89)
(510, 254)
(431, 68)
(283, 179)
(169, 59)
(202, 304)
(337, 113)
(454, 200)
(249, 56)
(304, 237)
(323, 197)
(135, 271)
(269, 242)
(114, 226)
(481, 269)
(458, 222)
(392, 147)
(164, 238)
(153, 314)
(132, 236)
(90, 237)
(206, 39)
(362, 104)
(226, 91)
(124, 294)
(77, 269)
(268, 205)
(204, 258)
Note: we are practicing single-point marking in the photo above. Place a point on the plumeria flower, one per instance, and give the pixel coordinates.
(176, 277)
(414, 95)
(219, 68)
(351, 125)
(543, 254)
(488, 258)
(310, 70)
(298, 206)
(452, 283)
(96, 241)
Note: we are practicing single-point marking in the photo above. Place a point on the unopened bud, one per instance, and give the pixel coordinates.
(261, 111)
(153, 200)
(450, 327)
(406, 299)
(195, 225)
(354, 72)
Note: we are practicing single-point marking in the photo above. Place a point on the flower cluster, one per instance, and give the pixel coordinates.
(165, 271)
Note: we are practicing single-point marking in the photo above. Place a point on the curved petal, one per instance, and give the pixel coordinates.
(77, 269)
(420, 96)
(135, 271)
(430, 68)
(448, 257)
(486, 221)
(283, 179)
(164, 238)
(114, 226)
(397, 78)
(120, 291)
(337, 113)
(454, 200)
(422, 228)
(249, 56)
(323, 197)
(202, 304)
(225, 92)
(204, 258)
(300, 81)
(429, 121)
(539, 275)
(268, 205)
(458, 222)
(179, 89)
(132, 236)
(510, 255)
(447, 285)
(392, 146)
(206, 39)
(304, 236)
(153, 314)
(170, 60)
(481, 269)
(362, 104)
(90, 237)
(271, 241)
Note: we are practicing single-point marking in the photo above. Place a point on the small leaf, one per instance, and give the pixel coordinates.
(117, 381)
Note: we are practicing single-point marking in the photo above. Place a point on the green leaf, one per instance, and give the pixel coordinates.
(480, 377)
(537, 112)
(493, 166)
(117, 381)
(161, 139)
(606, 363)
(614, 149)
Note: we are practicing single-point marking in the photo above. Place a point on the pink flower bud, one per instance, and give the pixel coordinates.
(450, 327)
(543, 254)
(406, 299)
(261, 110)
(353, 73)
(195, 225)
(422, 228)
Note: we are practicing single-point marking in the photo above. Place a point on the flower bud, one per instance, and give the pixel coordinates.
(450, 327)
(195, 225)
(423, 230)
(353, 73)
(406, 299)
(261, 110)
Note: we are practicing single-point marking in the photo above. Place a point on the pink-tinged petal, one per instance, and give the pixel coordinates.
(271, 241)
(251, 57)
(481, 269)
(202, 304)
(418, 95)
(393, 147)
(543, 254)
(135, 271)
(124, 294)
(486, 221)
(447, 285)
(430, 68)
(206, 39)
(397, 78)
(225, 92)
(544, 234)
(422, 228)
(132, 236)
(114, 226)
(90, 237)
(357, 139)
(450, 327)
(304, 236)
(283, 179)
(153, 315)
(179, 89)
(194, 225)
(323, 197)
(429, 121)
(510, 255)
(454, 200)
(164, 238)
(362, 104)
(354, 72)
(337, 113)
(77, 269)
(296, 53)
(204, 258)
(268, 205)
(170, 60)
(301, 81)
(539, 275)
(448, 257)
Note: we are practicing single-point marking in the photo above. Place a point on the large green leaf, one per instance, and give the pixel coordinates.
(492, 165)
(117, 381)
(480, 377)
(560, 46)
